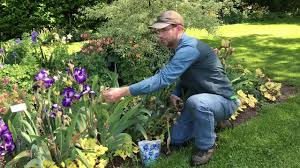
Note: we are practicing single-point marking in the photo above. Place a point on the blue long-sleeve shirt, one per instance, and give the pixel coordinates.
(197, 66)
(185, 54)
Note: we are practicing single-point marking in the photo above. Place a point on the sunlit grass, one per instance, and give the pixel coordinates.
(75, 47)
(273, 47)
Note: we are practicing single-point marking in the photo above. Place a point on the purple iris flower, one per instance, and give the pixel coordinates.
(41, 75)
(6, 140)
(2, 51)
(69, 92)
(68, 71)
(80, 75)
(3, 126)
(86, 89)
(52, 115)
(34, 36)
(55, 106)
(67, 101)
(48, 81)
(77, 96)
(54, 109)
(92, 94)
(18, 41)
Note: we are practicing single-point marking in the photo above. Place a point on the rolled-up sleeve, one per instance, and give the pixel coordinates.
(183, 58)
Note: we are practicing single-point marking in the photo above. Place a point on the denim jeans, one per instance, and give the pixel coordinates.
(199, 117)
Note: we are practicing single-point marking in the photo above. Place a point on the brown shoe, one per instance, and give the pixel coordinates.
(201, 157)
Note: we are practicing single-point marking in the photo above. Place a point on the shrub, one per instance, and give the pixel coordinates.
(236, 11)
(136, 49)
(21, 75)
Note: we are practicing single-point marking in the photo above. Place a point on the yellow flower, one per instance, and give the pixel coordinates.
(49, 164)
(135, 149)
(122, 153)
(259, 73)
(241, 94)
(269, 85)
(234, 115)
(100, 150)
(271, 90)
(252, 100)
(91, 158)
(69, 83)
(102, 163)
(56, 93)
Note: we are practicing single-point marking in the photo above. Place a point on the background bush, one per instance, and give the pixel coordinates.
(23, 16)
(135, 48)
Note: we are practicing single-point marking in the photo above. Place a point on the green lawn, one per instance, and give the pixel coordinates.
(272, 139)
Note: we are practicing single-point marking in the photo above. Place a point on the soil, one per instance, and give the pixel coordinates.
(246, 115)
(117, 162)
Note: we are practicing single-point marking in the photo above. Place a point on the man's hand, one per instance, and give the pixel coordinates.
(176, 102)
(115, 94)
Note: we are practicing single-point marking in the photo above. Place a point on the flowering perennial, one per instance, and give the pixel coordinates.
(6, 140)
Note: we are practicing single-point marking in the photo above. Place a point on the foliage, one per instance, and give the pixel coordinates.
(93, 154)
(122, 56)
(39, 14)
(270, 90)
(94, 57)
(244, 80)
(132, 18)
(59, 125)
(276, 5)
(23, 18)
(224, 52)
(137, 55)
(135, 47)
(114, 120)
(16, 50)
(11, 97)
(236, 11)
(22, 76)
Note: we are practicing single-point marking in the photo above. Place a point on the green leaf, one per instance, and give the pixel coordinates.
(69, 134)
(26, 136)
(142, 130)
(34, 163)
(125, 121)
(114, 142)
(21, 155)
(28, 127)
(31, 121)
(119, 109)
(82, 159)
(13, 130)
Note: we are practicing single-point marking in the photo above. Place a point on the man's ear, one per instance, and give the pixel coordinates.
(179, 27)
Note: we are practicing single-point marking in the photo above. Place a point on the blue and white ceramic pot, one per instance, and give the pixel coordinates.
(149, 151)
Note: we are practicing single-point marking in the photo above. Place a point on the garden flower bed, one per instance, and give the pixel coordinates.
(67, 124)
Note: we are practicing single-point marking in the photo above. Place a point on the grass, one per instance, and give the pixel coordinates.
(272, 138)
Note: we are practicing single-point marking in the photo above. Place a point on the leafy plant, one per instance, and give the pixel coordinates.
(270, 90)
(246, 100)
(113, 121)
